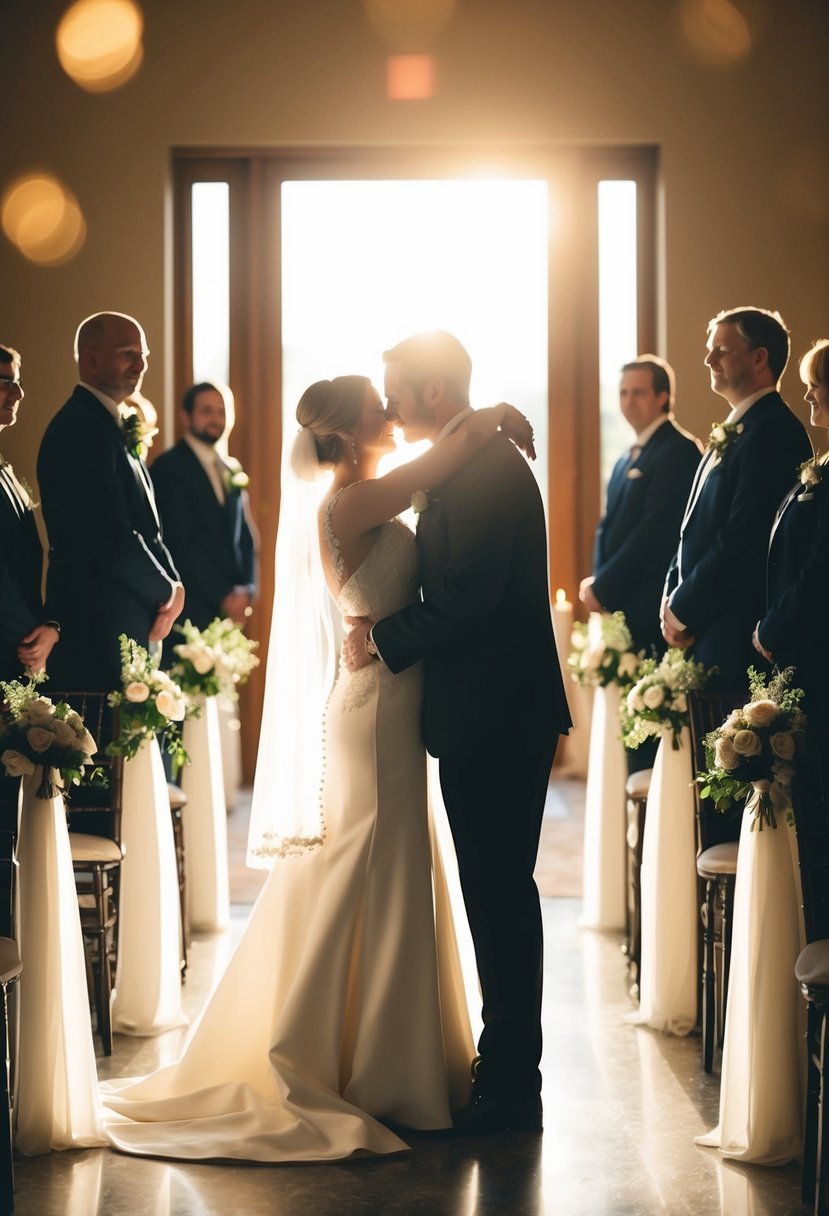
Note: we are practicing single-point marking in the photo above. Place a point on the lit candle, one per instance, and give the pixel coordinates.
(562, 624)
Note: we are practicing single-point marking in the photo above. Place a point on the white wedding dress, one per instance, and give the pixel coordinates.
(342, 1005)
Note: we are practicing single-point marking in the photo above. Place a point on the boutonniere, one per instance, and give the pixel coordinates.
(722, 435)
(632, 474)
(420, 501)
(25, 490)
(811, 472)
(138, 434)
(234, 476)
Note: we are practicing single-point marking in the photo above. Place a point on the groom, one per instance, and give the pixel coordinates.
(494, 705)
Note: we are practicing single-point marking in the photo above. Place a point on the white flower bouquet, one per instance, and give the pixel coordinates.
(218, 659)
(756, 747)
(151, 703)
(602, 652)
(36, 732)
(658, 701)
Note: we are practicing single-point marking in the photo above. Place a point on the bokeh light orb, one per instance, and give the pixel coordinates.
(43, 219)
(716, 33)
(409, 25)
(99, 43)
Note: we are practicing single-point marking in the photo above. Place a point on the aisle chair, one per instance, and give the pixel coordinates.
(812, 968)
(94, 814)
(637, 787)
(718, 836)
(178, 801)
(10, 969)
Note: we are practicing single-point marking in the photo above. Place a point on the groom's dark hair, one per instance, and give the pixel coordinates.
(433, 354)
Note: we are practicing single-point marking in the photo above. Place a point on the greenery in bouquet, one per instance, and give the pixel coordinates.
(37, 732)
(150, 703)
(756, 748)
(215, 660)
(658, 701)
(602, 652)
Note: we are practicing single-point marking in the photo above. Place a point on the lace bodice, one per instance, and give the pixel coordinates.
(386, 580)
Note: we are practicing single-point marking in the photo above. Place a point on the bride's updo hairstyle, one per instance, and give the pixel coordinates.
(326, 408)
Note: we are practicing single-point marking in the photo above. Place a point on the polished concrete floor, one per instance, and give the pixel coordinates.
(622, 1106)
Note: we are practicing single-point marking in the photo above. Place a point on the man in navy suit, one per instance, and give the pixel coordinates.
(493, 707)
(646, 497)
(715, 589)
(27, 635)
(109, 570)
(202, 501)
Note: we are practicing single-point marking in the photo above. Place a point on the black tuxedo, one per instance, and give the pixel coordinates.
(211, 542)
(797, 578)
(494, 705)
(719, 570)
(636, 538)
(21, 573)
(109, 570)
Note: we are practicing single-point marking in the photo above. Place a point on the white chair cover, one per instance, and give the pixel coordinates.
(668, 973)
(604, 817)
(205, 822)
(57, 1083)
(147, 997)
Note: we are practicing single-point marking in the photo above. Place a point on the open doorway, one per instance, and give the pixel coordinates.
(295, 265)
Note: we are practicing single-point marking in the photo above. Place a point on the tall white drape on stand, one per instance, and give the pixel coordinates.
(231, 737)
(604, 817)
(668, 974)
(764, 1063)
(57, 1082)
(147, 996)
(205, 821)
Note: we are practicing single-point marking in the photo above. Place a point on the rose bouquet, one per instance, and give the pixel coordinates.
(150, 702)
(658, 701)
(36, 732)
(756, 747)
(218, 659)
(602, 651)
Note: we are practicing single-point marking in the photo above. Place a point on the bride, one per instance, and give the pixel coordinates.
(341, 1014)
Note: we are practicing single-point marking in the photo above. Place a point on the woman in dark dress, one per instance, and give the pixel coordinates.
(791, 632)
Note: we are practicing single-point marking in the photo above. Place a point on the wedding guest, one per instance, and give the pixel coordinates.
(27, 632)
(204, 513)
(109, 570)
(797, 571)
(646, 496)
(715, 589)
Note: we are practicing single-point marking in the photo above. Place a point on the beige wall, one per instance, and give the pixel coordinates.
(745, 182)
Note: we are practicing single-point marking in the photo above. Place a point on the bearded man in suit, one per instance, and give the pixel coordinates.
(646, 496)
(715, 589)
(27, 632)
(493, 707)
(203, 505)
(109, 570)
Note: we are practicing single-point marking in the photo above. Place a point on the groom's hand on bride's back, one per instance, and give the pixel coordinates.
(354, 650)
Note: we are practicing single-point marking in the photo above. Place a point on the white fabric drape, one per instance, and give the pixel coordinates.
(604, 817)
(204, 819)
(147, 997)
(669, 912)
(57, 1086)
(231, 737)
(763, 1064)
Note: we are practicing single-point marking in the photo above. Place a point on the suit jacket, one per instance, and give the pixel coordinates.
(211, 542)
(109, 570)
(483, 627)
(719, 571)
(637, 536)
(797, 600)
(21, 572)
